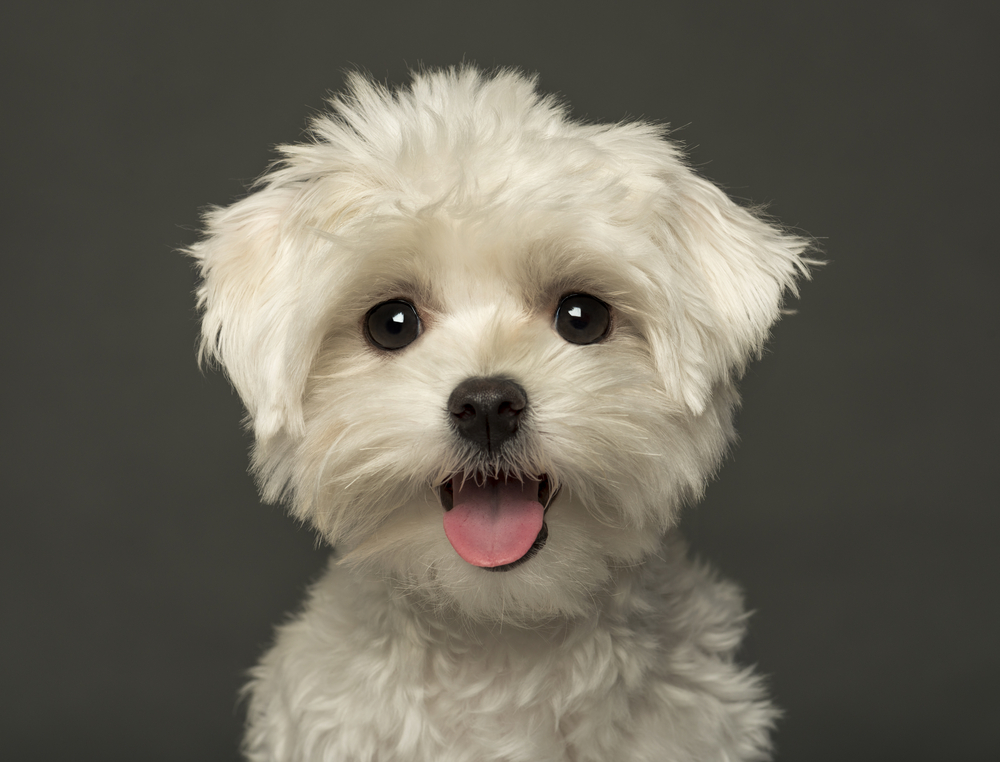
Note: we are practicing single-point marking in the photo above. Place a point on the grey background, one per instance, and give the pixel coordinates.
(141, 576)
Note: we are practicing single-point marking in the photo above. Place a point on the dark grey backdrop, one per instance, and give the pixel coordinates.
(140, 575)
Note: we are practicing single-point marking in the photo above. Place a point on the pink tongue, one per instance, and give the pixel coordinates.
(496, 523)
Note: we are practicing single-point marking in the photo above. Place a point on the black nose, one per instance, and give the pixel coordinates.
(487, 411)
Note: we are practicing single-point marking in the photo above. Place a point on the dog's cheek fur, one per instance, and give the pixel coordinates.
(372, 442)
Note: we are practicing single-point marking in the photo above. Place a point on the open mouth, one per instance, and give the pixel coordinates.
(496, 522)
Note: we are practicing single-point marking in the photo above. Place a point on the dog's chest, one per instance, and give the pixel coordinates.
(538, 696)
(359, 676)
(413, 693)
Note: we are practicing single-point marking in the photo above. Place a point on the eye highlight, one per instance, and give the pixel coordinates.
(582, 319)
(392, 325)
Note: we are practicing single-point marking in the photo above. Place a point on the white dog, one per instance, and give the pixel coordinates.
(488, 352)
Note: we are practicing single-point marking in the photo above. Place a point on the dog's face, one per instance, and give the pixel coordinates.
(485, 350)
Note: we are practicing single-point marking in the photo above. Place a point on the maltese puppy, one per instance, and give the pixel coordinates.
(488, 352)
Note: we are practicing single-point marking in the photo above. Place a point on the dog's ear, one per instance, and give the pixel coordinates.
(730, 269)
(251, 266)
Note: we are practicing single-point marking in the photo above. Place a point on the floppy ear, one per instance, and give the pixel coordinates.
(251, 266)
(731, 270)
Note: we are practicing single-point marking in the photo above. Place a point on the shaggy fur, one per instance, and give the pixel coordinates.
(482, 204)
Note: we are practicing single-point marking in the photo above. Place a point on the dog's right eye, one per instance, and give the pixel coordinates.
(392, 325)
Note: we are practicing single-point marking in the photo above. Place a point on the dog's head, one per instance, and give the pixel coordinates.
(485, 349)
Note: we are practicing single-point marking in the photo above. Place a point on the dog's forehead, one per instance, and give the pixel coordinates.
(452, 262)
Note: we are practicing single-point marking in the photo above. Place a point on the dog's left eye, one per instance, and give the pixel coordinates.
(392, 325)
(582, 319)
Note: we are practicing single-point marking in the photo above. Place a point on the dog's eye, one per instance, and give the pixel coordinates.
(392, 325)
(582, 319)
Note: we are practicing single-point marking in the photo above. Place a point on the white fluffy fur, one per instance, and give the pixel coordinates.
(482, 203)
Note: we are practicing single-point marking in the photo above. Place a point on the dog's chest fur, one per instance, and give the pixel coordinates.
(365, 674)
